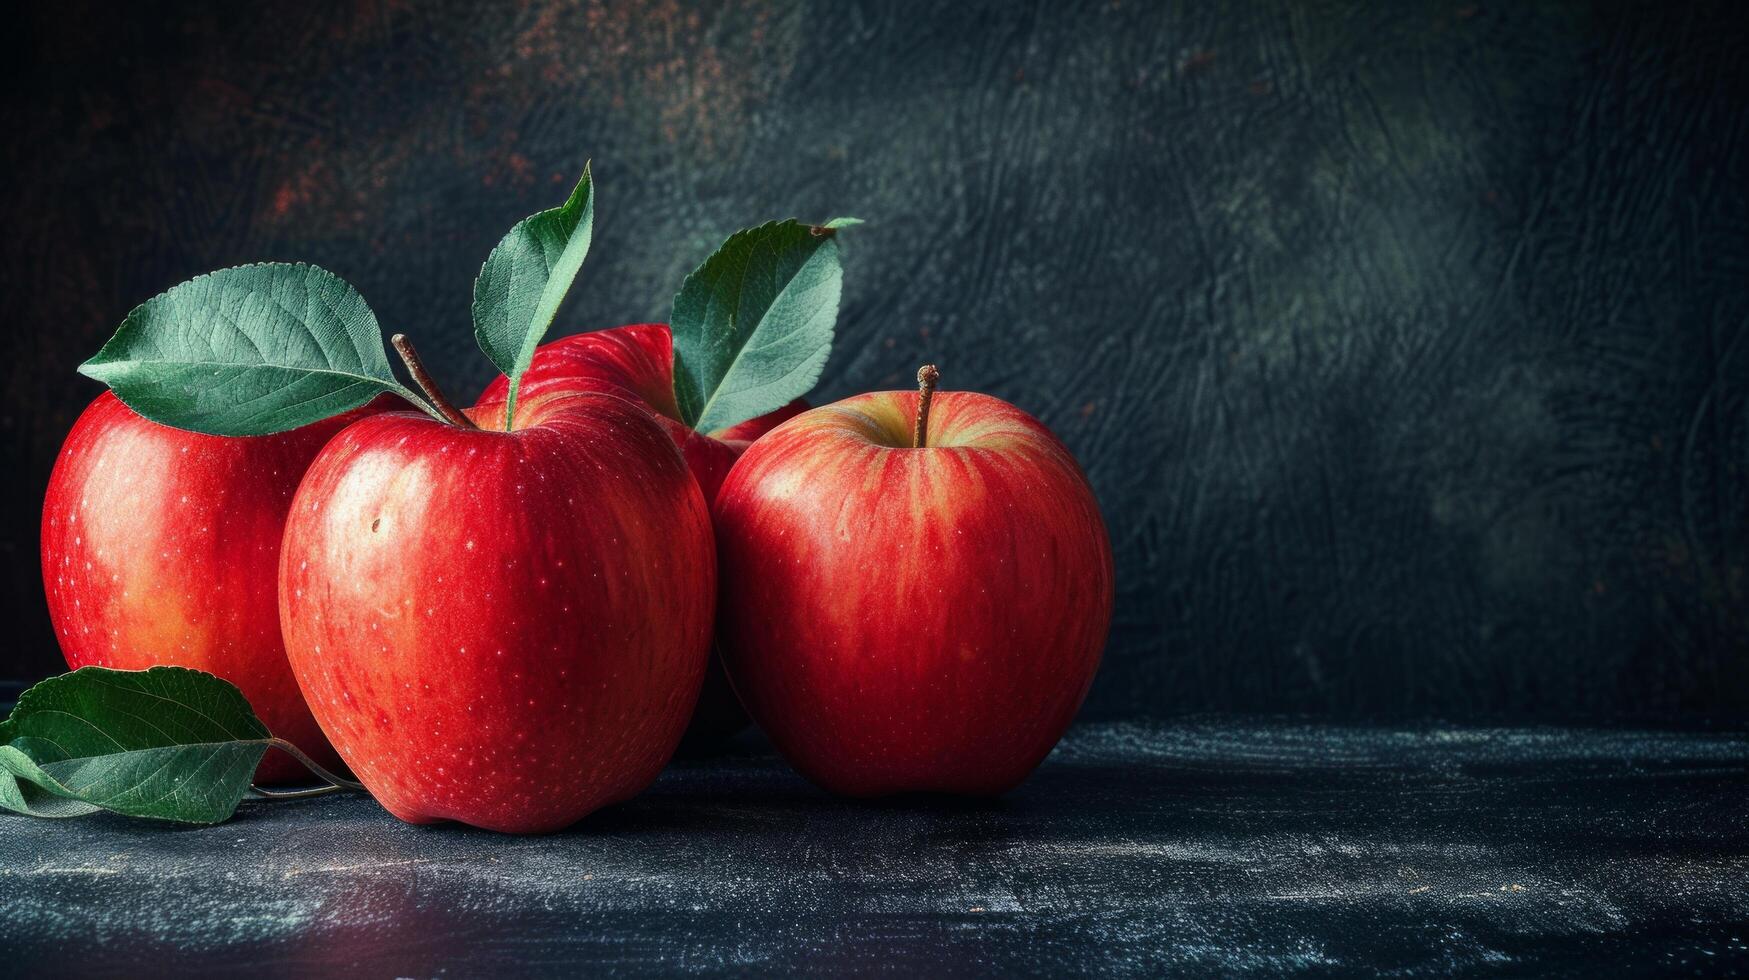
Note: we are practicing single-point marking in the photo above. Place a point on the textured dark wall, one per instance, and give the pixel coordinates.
(1403, 342)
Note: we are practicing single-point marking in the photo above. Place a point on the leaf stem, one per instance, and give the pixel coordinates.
(296, 794)
(927, 376)
(311, 764)
(427, 384)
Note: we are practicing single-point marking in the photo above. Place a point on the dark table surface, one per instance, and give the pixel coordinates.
(1227, 845)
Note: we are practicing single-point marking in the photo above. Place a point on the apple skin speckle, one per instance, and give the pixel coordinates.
(958, 667)
(552, 710)
(169, 554)
(636, 362)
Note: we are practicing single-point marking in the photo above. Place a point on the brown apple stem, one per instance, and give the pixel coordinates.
(927, 375)
(426, 383)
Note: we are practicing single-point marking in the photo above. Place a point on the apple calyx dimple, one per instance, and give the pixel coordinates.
(927, 376)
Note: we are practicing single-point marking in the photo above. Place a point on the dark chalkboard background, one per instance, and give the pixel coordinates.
(1403, 342)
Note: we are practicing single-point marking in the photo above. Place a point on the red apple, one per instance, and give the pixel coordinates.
(902, 619)
(637, 362)
(508, 629)
(161, 546)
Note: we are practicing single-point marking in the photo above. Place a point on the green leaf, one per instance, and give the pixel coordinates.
(168, 743)
(27, 799)
(248, 351)
(524, 280)
(753, 324)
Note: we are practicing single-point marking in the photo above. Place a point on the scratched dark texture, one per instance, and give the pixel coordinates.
(1196, 848)
(1403, 342)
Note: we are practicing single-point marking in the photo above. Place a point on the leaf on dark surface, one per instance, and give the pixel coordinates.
(26, 798)
(248, 351)
(753, 325)
(168, 743)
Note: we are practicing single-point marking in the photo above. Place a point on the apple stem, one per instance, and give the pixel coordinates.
(426, 383)
(927, 375)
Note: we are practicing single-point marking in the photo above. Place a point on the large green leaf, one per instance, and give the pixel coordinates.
(168, 742)
(525, 279)
(753, 325)
(247, 351)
